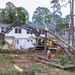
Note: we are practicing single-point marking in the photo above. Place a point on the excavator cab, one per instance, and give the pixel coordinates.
(40, 44)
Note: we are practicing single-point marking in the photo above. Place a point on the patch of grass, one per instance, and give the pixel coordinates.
(32, 72)
(71, 69)
(63, 60)
(70, 62)
(9, 71)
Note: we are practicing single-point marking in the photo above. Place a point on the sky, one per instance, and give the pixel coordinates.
(31, 5)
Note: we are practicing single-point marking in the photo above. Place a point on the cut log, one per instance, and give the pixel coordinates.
(58, 65)
(46, 61)
(68, 67)
(18, 68)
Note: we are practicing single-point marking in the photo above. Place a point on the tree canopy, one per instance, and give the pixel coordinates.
(42, 16)
(57, 15)
(10, 13)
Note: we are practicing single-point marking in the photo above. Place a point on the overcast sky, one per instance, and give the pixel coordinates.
(31, 5)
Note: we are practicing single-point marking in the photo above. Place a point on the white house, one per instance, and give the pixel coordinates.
(20, 37)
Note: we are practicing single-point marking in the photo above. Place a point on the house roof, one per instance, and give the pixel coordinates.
(3, 25)
(66, 29)
(43, 26)
(52, 27)
(32, 25)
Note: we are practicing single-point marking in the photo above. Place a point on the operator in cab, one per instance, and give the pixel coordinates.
(41, 41)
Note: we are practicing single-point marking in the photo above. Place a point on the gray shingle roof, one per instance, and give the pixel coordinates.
(3, 25)
(43, 26)
(32, 25)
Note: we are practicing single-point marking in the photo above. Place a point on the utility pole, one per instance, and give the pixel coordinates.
(45, 46)
(69, 27)
(69, 32)
(72, 20)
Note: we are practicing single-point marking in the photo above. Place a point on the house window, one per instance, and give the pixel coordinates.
(29, 31)
(63, 32)
(41, 31)
(17, 30)
(31, 40)
(17, 41)
(70, 33)
(28, 40)
(2, 30)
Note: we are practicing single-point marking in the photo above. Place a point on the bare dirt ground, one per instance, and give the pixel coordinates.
(27, 61)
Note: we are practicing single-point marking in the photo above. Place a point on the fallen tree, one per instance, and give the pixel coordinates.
(46, 61)
(58, 65)
(66, 50)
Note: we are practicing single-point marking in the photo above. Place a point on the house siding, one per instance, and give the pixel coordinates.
(23, 34)
(24, 43)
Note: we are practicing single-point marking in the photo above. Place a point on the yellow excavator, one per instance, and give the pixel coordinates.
(40, 44)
